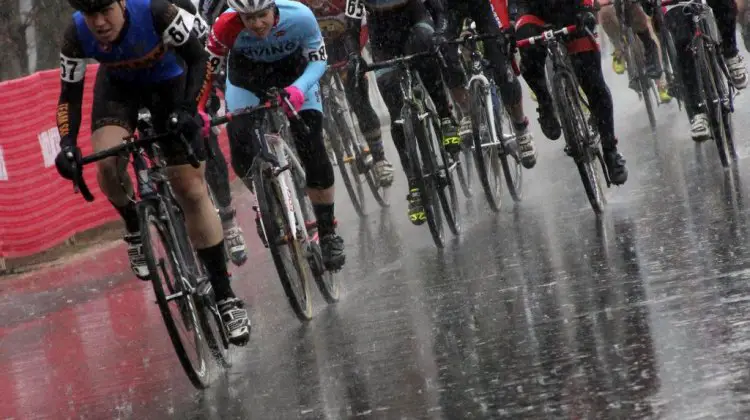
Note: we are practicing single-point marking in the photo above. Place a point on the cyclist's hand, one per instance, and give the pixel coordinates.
(296, 98)
(185, 121)
(68, 161)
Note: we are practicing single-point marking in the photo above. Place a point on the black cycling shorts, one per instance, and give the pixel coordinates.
(117, 103)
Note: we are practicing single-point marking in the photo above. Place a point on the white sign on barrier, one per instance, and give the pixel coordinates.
(49, 141)
(3, 170)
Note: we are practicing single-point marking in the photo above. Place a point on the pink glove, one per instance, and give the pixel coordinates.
(206, 129)
(296, 97)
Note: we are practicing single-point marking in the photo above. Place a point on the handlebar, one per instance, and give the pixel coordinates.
(546, 36)
(273, 101)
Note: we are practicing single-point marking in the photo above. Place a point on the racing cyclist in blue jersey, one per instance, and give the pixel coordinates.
(400, 27)
(279, 44)
(149, 58)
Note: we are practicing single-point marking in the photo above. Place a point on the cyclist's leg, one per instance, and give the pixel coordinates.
(608, 20)
(725, 12)
(587, 64)
(680, 26)
(639, 22)
(320, 179)
(114, 115)
(455, 76)
(430, 70)
(203, 224)
(508, 83)
(534, 59)
(386, 40)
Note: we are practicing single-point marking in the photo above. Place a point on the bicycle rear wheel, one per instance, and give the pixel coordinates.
(172, 289)
(711, 98)
(510, 159)
(425, 168)
(577, 138)
(346, 167)
(287, 252)
(638, 58)
(485, 144)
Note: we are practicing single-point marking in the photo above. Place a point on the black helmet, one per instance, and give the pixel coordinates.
(90, 6)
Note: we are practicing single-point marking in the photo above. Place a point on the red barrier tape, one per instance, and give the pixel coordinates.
(38, 209)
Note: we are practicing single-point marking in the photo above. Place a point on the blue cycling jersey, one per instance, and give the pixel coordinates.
(140, 56)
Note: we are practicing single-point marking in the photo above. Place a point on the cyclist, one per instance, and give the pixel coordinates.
(480, 12)
(680, 26)
(586, 60)
(217, 172)
(395, 28)
(278, 43)
(340, 42)
(639, 21)
(138, 44)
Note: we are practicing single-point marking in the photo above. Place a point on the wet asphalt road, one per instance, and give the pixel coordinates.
(539, 312)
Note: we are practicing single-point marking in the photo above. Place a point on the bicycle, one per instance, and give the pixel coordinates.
(581, 145)
(189, 286)
(424, 146)
(715, 87)
(279, 182)
(351, 151)
(146, 128)
(668, 55)
(495, 142)
(635, 61)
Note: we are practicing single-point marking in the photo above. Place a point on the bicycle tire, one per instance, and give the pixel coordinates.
(216, 335)
(277, 228)
(726, 107)
(638, 58)
(431, 145)
(510, 159)
(148, 216)
(712, 103)
(486, 155)
(353, 188)
(577, 132)
(427, 184)
(352, 143)
(669, 60)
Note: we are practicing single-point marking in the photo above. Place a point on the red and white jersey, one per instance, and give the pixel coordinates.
(500, 12)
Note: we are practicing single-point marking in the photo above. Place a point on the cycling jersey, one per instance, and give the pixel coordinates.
(293, 53)
(154, 35)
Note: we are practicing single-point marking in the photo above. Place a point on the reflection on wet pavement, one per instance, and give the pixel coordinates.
(539, 312)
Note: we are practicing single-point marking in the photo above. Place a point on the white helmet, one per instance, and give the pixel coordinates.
(250, 6)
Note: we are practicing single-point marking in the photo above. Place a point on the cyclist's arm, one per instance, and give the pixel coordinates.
(72, 72)
(176, 26)
(439, 15)
(313, 49)
(500, 12)
(354, 14)
(220, 40)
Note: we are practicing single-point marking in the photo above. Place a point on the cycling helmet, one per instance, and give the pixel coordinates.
(250, 6)
(90, 6)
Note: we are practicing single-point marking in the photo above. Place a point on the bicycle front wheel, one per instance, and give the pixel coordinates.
(287, 252)
(425, 169)
(167, 271)
(485, 144)
(447, 171)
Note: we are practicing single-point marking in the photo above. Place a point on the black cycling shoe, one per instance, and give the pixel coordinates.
(615, 162)
(332, 248)
(548, 120)
(416, 211)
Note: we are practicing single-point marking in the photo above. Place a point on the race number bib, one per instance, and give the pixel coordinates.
(72, 70)
(178, 32)
(215, 62)
(318, 54)
(355, 9)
